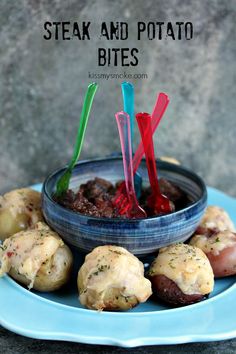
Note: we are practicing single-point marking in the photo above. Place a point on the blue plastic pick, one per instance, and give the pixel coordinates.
(128, 100)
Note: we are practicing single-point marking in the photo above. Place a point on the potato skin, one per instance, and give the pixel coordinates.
(53, 274)
(20, 209)
(168, 291)
(220, 249)
(223, 264)
(10, 224)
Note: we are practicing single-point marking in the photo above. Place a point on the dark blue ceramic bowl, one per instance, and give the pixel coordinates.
(140, 236)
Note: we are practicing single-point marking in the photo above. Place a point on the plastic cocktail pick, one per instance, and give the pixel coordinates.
(128, 98)
(159, 203)
(131, 208)
(64, 180)
(161, 104)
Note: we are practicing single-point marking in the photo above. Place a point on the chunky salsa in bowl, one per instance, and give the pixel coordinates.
(96, 198)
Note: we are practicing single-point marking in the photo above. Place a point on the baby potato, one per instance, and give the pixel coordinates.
(10, 224)
(112, 278)
(19, 210)
(53, 273)
(215, 218)
(181, 275)
(224, 264)
(37, 258)
(220, 249)
(216, 237)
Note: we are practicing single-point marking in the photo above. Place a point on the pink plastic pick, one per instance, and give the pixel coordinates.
(131, 207)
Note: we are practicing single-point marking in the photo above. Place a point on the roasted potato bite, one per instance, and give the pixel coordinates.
(37, 258)
(112, 278)
(216, 237)
(215, 218)
(181, 275)
(220, 248)
(19, 210)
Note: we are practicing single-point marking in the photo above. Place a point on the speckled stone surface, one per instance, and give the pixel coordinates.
(42, 84)
(14, 344)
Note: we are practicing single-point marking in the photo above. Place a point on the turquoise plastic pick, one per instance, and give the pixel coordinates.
(64, 180)
(128, 98)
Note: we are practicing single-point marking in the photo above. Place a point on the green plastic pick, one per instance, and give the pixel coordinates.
(64, 180)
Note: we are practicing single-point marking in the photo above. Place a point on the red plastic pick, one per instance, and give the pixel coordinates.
(159, 203)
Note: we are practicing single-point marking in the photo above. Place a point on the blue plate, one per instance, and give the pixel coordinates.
(59, 315)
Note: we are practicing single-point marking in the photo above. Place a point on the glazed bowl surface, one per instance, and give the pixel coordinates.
(139, 236)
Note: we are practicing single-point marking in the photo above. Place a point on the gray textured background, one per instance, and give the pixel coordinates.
(42, 84)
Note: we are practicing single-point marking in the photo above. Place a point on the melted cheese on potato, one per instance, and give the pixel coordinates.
(111, 267)
(215, 243)
(217, 218)
(27, 250)
(185, 265)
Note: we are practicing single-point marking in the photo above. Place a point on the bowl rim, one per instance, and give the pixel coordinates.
(168, 165)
